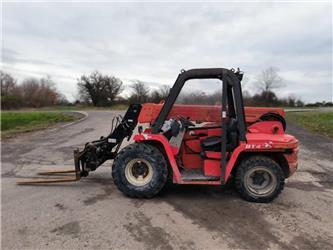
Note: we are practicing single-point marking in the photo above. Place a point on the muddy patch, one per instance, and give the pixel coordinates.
(222, 211)
(326, 178)
(22, 231)
(305, 186)
(11, 171)
(72, 228)
(137, 202)
(305, 241)
(143, 231)
(313, 216)
(10, 151)
(107, 189)
(60, 206)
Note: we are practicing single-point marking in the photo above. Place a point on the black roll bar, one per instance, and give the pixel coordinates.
(229, 76)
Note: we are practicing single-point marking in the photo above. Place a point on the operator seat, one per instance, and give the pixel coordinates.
(213, 143)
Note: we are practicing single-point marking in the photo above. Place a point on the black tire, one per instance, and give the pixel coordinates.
(230, 183)
(274, 117)
(271, 173)
(152, 157)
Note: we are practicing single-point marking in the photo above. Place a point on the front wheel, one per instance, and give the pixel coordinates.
(259, 179)
(139, 170)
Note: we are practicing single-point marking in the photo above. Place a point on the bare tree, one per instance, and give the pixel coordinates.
(160, 94)
(140, 92)
(10, 92)
(31, 92)
(269, 79)
(39, 92)
(99, 89)
(49, 95)
(8, 83)
(164, 91)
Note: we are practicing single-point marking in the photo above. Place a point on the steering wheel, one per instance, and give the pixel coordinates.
(185, 122)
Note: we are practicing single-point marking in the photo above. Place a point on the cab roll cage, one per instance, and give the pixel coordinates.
(232, 102)
(232, 99)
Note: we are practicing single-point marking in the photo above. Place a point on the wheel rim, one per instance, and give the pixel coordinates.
(260, 181)
(138, 172)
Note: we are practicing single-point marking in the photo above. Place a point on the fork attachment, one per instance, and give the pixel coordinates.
(95, 153)
(73, 178)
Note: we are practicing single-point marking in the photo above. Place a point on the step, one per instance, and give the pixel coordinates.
(197, 175)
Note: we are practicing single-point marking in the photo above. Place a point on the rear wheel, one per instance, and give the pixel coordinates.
(259, 179)
(274, 117)
(140, 170)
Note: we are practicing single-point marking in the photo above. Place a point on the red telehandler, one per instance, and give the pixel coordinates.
(193, 144)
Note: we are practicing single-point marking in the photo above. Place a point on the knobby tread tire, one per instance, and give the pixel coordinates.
(251, 162)
(150, 154)
(274, 117)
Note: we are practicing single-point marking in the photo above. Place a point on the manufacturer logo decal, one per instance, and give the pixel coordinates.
(266, 145)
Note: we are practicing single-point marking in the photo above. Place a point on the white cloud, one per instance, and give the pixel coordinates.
(153, 41)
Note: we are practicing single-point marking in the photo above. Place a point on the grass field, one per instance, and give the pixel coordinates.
(13, 122)
(319, 122)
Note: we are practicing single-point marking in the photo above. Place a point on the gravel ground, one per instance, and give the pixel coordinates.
(93, 214)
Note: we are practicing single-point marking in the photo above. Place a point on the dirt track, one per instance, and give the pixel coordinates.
(93, 214)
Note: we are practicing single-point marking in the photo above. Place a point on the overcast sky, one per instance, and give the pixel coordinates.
(154, 41)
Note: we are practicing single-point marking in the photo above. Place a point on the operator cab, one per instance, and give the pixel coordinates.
(203, 146)
(213, 143)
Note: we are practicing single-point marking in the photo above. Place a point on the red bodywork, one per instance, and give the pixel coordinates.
(265, 137)
(201, 113)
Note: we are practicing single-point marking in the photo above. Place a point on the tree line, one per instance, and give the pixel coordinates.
(100, 90)
(104, 90)
(32, 92)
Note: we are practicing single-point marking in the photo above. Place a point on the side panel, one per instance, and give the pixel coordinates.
(150, 111)
(191, 161)
(170, 152)
(263, 143)
(212, 167)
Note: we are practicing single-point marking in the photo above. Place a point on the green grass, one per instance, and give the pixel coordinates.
(24, 121)
(319, 122)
